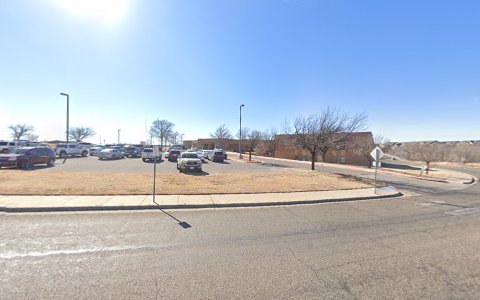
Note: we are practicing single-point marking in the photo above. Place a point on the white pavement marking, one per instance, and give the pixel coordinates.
(464, 211)
(13, 255)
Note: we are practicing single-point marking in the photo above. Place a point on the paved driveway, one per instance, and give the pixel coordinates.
(136, 165)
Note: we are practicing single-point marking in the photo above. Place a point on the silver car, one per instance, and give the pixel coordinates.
(111, 154)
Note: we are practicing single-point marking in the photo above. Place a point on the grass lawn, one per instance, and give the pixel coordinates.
(16, 182)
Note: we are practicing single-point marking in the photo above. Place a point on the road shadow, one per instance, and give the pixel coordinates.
(182, 224)
(275, 165)
(203, 173)
(152, 162)
(399, 166)
(223, 162)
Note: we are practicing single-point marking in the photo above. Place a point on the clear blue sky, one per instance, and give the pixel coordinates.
(412, 65)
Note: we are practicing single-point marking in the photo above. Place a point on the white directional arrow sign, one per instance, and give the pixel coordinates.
(377, 153)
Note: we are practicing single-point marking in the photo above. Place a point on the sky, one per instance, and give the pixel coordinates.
(412, 66)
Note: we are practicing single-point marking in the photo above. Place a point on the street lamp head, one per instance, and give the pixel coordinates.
(64, 94)
(242, 105)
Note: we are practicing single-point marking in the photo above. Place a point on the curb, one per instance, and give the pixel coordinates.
(191, 206)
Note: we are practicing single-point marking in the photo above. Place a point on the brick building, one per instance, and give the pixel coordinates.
(211, 143)
(355, 151)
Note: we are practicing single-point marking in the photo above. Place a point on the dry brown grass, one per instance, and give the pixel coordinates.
(14, 182)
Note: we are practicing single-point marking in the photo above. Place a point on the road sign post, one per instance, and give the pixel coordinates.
(376, 154)
(155, 153)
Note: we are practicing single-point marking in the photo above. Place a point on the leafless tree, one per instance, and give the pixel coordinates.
(270, 142)
(426, 152)
(32, 137)
(161, 130)
(174, 137)
(20, 130)
(221, 134)
(80, 133)
(251, 139)
(318, 133)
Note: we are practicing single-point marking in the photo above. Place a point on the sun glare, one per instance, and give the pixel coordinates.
(105, 11)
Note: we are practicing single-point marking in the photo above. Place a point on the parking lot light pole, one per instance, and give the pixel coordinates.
(118, 137)
(68, 112)
(240, 140)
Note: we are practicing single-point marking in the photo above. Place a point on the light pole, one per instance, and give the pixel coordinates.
(68, 112)
(181, 138)
(240, 141)
(118, 137)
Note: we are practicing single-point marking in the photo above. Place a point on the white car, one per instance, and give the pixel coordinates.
(95, 150)
(147, 154)
(201, 155)
(189, 161)
(63, 150)
(110, 154)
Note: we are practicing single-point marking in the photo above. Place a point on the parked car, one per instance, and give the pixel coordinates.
(132, 151)
(7, 146)
(147, 154)
(110, 154)
(206, 153)
(26, 157)
(64, 150)
(95, 150)
(167, 154)
(216, 156)
(201, 155)
(173, 155)
(224, 153)
(189, 161)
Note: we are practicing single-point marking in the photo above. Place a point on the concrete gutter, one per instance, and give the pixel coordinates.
(11, 204)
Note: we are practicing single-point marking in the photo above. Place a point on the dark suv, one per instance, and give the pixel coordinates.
(217, 156)
(173, 155)
(133, 151)
(27, 157)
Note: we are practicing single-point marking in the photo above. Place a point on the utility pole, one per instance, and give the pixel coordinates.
(68, 114)
(240, 140)
(118, 139)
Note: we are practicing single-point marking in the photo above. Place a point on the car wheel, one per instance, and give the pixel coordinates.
(26, 165)
(84, 153)
(5, 151)
(100, 158)
(144, 160)
(63, 154)
(51, 162)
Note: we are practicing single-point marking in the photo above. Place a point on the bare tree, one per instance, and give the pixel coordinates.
(174, 137)
(270, 142)
(32, 137)
(161, 130)
(221, 134)
(80, 133)
(318, 133)
(426, 152)
(252, 139)
(20, 130)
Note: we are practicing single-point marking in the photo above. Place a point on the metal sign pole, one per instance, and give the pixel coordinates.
(154, 175)
(376, 166)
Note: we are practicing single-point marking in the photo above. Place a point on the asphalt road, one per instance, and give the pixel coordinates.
(136, 165)
(424, 246)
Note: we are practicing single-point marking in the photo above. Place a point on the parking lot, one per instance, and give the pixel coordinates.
(136, 165)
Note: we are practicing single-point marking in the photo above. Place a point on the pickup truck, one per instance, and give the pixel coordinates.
(70, 150)
(189, 161)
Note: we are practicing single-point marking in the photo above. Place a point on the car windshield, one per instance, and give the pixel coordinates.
(148, 150)
(218, 153)
(189, 155)
(3, 143)
(19, 151)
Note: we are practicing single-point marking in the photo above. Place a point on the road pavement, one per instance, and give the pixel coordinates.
(421, 246)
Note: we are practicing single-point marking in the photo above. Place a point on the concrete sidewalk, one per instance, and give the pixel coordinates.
(140, 202)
